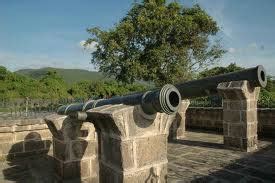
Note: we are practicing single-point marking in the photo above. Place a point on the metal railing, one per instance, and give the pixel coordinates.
(31, 108)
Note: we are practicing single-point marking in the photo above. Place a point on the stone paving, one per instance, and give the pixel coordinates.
(200, 157)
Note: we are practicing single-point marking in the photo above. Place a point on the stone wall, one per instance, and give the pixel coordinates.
(205, 118)
(24, 137)
(211, 119)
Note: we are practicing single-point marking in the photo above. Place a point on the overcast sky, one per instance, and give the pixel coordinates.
(41, 33)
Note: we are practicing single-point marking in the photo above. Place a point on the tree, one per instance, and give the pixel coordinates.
(156, 41)
(53, 86)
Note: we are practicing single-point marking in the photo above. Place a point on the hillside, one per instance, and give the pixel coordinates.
(69, 75)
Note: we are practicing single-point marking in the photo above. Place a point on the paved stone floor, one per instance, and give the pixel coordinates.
(200, 157)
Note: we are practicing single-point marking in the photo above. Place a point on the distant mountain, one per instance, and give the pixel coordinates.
(69, 75)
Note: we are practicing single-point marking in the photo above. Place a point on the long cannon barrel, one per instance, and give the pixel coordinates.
(208, 86)
(166, 100)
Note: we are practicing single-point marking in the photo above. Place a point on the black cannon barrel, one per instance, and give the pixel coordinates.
(208, 86)
(166, 100)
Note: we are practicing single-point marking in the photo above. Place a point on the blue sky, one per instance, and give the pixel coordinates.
(39, 33)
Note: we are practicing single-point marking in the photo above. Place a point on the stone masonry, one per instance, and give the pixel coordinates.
(74, 149)
(177, 129)
(239, 115)
(133, 145)
(24, 137)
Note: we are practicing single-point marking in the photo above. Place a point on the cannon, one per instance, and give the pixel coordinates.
(167, 99)
(208, 86)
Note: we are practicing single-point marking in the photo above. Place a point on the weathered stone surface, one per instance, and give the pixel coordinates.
(108, 175)
(198, 118)
(71, 170)
(74, 149)
(248, 116)
(177, 129)
(6, 129)
(38, 127)
(6, 137)
(85, 168)
(231, 116)
(240, 114)
(10, 147)
(21, 128)
(94, 167)
(250, 144)
(219, 165)
(83, 148)
(61, 150)
(29, 135)
(153, 174)
(233, 142)
(237, 130)
(117, 153)
(151, 150)
(33, 145)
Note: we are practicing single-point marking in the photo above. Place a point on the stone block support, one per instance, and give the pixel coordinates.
(177, 129)
(133, 145)
(239, 115)
(74, 149)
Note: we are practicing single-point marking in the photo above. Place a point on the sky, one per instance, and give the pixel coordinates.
(50, 33)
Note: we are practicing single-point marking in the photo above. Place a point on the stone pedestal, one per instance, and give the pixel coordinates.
(177, 129)
(133, 145)
(239, 115)
(74, 149)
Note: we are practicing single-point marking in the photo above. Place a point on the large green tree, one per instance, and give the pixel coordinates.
(156, 41)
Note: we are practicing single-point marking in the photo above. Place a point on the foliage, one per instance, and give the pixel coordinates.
(266, 99)
(69, 75)
(52, 86)
(220, 70)
(156, 41)
(267, 94)
(103, 89)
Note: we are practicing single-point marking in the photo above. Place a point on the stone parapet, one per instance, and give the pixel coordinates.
(206, 118)
(133, 145)
(239, 115)
(177, 129)
(24, 138)
(75, 149)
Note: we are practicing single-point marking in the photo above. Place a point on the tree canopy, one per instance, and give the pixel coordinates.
(52, 86)
(220, 70)
(156, 41)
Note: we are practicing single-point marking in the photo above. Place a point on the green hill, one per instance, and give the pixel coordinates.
(69, 75)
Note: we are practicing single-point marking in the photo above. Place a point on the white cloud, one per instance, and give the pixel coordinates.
(90, 47)
(231, 50)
